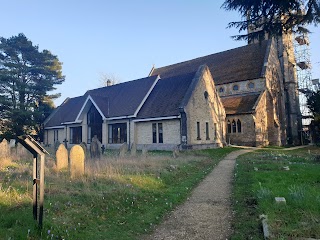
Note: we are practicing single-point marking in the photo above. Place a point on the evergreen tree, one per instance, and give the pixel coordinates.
(26, 77)
(273, 17)
(313, 103)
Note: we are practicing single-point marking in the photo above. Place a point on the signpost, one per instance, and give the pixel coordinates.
(36, 149)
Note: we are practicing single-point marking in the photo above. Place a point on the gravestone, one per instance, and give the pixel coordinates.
(144, 151)
(95, 147)
(103, 149)
(62, 157)
(56, 145)
(4, 149)
(77, 159)
(133, 150)
(22, 151)
(175, 152)
(12, 143)
(123, 149)
(85, 148)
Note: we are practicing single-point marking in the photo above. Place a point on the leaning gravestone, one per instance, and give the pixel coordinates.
(123, 149)
(76, 161)
(56, 145)
(4, 149)
(133, 149)
(175, 152)
(95, 148)
(62, 157)
(144, 151)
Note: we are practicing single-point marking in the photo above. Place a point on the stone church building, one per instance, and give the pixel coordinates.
(244, 96)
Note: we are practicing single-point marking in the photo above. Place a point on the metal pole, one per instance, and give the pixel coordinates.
(41, 190)
(34, 200)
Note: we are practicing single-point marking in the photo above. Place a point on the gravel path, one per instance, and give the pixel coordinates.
(207, 214)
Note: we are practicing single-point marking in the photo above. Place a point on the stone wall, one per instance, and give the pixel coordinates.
(51, 133)
(287, 60)
(258, 85)
(171, 132)
(247, 136)
(275, 98)
(205, 107)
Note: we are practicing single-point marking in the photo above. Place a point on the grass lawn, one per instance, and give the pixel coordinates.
(260, 176)
(116, 199)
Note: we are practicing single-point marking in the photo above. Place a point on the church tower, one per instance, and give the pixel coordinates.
(287, 99)
(290, 80)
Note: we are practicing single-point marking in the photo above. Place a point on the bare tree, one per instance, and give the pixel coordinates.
(108, 79)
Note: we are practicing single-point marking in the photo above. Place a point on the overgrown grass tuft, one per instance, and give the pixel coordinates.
(117, 198)
(260, 177)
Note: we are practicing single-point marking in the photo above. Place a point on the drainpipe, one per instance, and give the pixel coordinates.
(129, 135)
(183, 128)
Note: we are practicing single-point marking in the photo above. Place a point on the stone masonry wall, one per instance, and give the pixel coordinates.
(247, 135)
(259, 85)
(204, 110)
(171, 132)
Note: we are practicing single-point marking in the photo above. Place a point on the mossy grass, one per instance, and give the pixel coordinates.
(260, 176)
(115, 199)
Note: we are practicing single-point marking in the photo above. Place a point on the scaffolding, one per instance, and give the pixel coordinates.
(305, 85)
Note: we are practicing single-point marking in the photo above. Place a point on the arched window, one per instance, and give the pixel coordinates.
(239, 125)
(234, 127)
(221, 89)
(229, 126)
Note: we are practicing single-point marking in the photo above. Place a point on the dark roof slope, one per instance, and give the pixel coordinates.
(66, 112)
(229, 66)
(114, 101)
(166, 97)
(240, 103)
(121, 99)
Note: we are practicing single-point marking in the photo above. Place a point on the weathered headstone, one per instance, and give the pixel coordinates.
(4, 149)
(22, 151)
(133, 150)
(85, 148)
(62, 157)
(77, 159)
(95, 148)
(144, 151)
(175, 152)
(12, 143)
(123, 149)
(56, 145)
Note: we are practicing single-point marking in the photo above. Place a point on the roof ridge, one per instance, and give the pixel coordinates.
(209, 55)
(126, 82)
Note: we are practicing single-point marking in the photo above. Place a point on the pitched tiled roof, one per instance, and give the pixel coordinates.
(229, 66)
(66, 112)
(166, 97)
(114, 101)
(121, 99)
(238, 104)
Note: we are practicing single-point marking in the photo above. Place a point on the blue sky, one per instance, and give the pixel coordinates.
(124, 38)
